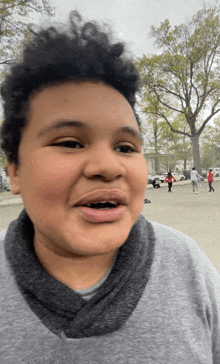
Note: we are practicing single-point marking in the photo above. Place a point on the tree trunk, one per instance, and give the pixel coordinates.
(196, 153)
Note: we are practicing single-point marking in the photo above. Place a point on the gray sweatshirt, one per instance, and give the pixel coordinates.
(194, 175)
(176, 318)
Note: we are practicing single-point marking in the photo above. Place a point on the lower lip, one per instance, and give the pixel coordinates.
(98, 215)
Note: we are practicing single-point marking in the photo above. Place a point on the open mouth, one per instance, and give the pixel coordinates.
(102, 205)
(103, 211)
(106, 205)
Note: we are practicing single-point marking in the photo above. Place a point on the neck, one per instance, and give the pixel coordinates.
(76, 272)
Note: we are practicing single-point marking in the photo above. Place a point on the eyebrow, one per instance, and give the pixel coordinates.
(60, 124)
(130, 130)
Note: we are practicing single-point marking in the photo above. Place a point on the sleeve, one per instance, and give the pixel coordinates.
(206, 283)
(195, 275)
(213, 288)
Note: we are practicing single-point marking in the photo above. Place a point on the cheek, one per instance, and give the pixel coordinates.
(139, 176)
(49, 175)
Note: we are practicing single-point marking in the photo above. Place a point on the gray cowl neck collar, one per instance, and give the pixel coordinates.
(63, 310)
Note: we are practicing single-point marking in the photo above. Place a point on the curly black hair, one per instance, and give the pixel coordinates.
(53, 56)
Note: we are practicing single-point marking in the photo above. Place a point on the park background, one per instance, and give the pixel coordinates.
(180, 129)
(164, 148)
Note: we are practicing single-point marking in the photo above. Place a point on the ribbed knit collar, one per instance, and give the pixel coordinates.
(111, 305)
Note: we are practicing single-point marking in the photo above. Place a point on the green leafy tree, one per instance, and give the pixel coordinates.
(14, 30)
(180, 143)
(151, 130)
(155, 132)
(211, 145)
(14, 25)
(164, 146)
(185, 77)
(3, 160)
(182, 150)
(176, 146)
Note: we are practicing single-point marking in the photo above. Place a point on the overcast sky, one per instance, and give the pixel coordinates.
(131, 19)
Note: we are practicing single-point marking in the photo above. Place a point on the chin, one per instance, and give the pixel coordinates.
(104, 241)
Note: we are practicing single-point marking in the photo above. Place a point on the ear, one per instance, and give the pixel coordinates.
(13, 172)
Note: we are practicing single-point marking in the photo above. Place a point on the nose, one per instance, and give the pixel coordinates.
(104, 162)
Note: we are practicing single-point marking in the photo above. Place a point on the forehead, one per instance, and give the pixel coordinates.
(88, 105)
(79, 98)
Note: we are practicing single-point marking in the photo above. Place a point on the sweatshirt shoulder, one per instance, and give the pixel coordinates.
(167, 235)
(181, 252)
(171, 240)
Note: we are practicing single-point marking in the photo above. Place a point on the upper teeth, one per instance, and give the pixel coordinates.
(93, 203)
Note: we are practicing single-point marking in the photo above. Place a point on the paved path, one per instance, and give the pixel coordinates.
(195, 215)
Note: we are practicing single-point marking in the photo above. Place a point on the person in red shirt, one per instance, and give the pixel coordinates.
(210, 180)
(170, 179)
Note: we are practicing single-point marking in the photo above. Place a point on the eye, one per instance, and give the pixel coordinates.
(126, 149)
(68, 144)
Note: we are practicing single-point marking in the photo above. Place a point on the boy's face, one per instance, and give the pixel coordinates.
(81, 145)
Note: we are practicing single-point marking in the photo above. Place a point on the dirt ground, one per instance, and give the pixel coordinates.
(198, 216)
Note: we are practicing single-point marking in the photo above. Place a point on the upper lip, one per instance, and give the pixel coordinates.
(103, 195)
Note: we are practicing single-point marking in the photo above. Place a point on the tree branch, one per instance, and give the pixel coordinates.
(166, 105)
(7, 61)
(208, 118)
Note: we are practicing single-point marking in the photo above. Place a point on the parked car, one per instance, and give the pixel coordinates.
(179, 177)
(162, 176)
(7, 186)
(151, 177)
(1, 183)
(187, 173)
(216, 172)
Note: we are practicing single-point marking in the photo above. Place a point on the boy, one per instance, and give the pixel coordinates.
(194, 180)
(210, 180)
(84, 277)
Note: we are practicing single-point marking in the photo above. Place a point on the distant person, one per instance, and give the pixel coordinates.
(170, 179)
(210, 180)
(156, 183)
(194, 180)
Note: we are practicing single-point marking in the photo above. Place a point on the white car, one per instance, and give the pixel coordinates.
(7, 186)
(179, 177)
(216, 172)
(152, 176)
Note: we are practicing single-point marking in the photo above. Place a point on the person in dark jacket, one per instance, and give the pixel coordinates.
(156, 183)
